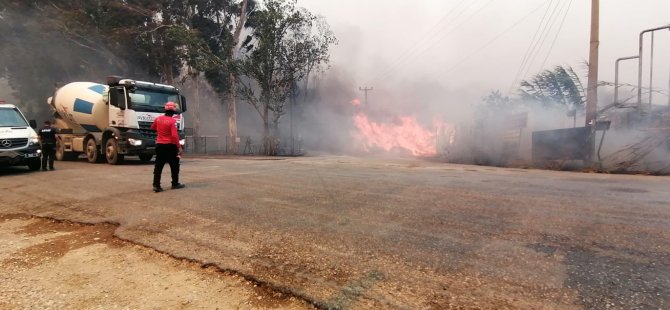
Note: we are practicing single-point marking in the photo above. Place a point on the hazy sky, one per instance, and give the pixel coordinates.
(474, 45)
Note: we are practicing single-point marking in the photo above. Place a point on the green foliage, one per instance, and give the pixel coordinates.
(287, 43)
(497, 100)
(217, 32)
(560, 86)
(58, 41)
(495, 106)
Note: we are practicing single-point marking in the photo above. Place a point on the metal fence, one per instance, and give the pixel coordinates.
(245, 145)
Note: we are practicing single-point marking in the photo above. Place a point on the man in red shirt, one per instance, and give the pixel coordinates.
(168, 149)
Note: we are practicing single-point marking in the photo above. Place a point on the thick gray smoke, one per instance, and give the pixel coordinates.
(207, 116)
(6, 92)
(36, 57)
(483, 135)
(327, 121)
(324, 123)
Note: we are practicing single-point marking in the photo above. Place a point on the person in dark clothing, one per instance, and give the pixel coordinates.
(48, 142)
(168, 148)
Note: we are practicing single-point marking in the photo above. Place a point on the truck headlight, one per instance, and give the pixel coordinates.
(34, 140)
(134, 142)
(182, 142)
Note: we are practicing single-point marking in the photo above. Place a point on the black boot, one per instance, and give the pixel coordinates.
(157, 189)
(178, 186)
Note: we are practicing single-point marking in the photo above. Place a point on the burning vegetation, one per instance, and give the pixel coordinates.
(403, 134)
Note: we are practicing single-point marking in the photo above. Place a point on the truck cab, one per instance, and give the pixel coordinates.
(133, 107)
(19, 144)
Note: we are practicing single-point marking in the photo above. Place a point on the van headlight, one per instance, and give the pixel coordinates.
(134, 142)
(34, 140)
(182, 142)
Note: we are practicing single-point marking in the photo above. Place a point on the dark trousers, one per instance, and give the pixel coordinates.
(166, 153)
(48, 154)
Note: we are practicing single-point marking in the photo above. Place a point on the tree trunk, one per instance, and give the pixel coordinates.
(266, 120)
(267, 145)
(232, 114)
(304, 96)
(196, 115)
(275, 125)
(232, 111)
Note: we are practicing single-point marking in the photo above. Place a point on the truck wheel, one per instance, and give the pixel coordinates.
(60, 150)
(146, 157)
(92, 151)
(61, 154)
(112, 152)
(34, 164)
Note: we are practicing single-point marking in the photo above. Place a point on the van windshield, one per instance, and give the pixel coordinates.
(11, 118)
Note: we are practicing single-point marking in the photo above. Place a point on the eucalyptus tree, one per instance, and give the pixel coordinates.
(281, 50)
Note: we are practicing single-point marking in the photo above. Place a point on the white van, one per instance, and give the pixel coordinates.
(19, 144)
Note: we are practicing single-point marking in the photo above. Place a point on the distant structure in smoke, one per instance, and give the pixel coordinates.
(502, 135)
(497, 131)
(639, 143)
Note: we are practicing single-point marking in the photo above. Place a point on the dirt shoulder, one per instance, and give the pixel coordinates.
(47, 264)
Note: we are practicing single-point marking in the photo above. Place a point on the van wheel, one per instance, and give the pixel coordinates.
(92, 151)
(34, 164)
(112, 152)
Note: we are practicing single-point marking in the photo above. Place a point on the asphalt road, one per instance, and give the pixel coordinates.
(351, 233)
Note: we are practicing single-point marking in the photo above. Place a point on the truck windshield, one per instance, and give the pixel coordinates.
(152, 100)
(11, 118)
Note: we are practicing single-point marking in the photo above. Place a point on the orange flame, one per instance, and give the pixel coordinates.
(403, 134)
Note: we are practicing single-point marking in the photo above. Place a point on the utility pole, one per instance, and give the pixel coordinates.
(366, 90)
(592, 88)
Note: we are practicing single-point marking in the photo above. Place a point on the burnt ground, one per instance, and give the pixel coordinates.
(348, 233)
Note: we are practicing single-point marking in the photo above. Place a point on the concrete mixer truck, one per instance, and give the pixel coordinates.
(109, 122)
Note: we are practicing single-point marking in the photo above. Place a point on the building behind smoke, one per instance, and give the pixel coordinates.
(631, 135)
(503, 137)
(638, 142)
(635, 142)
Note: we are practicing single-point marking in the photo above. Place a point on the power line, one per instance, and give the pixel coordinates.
(430, 46)
(416, 48)
(535, 47)
(419, 42)
(532, 40)
(549, 26)
(560, 27)
(500, 35)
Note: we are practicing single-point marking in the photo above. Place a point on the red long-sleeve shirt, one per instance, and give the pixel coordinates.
(166, 128)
